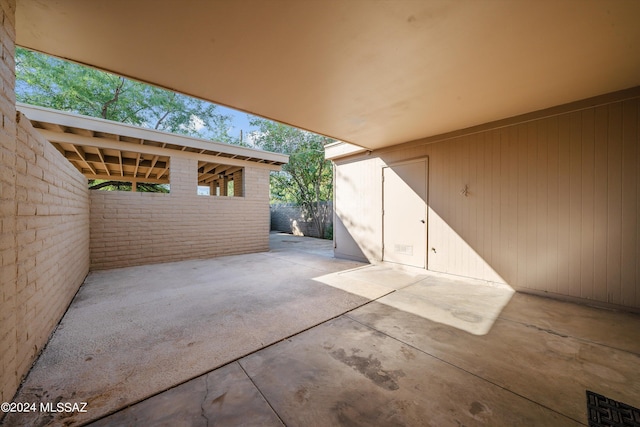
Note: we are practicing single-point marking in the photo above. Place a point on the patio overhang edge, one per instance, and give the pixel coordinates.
(184, 145)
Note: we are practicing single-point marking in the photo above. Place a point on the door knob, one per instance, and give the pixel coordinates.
(422, 221)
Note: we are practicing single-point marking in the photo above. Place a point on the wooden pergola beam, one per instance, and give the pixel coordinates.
(129, 179)
(233, 170)
(80, 152)
(135, 172)
(101, 156)
(162, 172)
(220, 169)
(68, 138)
(208, 177)
(210, 167)
(153, 165)
(112, 160)
(58, 126)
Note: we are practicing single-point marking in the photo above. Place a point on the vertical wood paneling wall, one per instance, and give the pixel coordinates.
(357, 223)
(553, 200)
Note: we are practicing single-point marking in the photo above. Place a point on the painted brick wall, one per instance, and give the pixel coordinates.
(44, 232)
(9, 379)
(141, 228)
(52, 235)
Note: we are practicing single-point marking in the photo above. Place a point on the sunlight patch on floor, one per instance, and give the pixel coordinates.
(467, 304)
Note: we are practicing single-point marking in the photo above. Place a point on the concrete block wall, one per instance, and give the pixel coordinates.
(142, 228)
(52, 235)
(292, 219)
(44, 229)
(9, 378)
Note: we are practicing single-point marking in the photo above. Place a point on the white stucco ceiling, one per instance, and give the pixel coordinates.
(373, 73)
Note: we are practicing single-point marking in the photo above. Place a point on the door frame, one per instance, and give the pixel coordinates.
(424, 159)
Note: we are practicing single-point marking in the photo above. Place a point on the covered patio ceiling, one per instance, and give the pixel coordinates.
(373, 73)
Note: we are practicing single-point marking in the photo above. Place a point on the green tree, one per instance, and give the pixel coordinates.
(50, 82)
(307, 180)
(101, 184)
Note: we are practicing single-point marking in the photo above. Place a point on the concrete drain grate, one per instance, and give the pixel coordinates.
(605, 412)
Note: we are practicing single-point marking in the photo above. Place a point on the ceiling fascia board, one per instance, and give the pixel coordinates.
(342, 149)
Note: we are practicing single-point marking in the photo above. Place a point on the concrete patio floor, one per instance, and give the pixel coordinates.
(296, 337)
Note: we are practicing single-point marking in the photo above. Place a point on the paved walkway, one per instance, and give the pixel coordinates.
(296, 337)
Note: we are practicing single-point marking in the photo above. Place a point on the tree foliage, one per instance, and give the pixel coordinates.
(50, 82)
(144, 187)
(307, 180)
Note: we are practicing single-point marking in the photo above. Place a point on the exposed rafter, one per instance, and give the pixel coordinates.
(105, 143)
(130, 179)
(162, 172)
(120, 163)
(112, 151)
(80, 152)
(153, 165)
(135, 172)
(209, 167)
(101, 156)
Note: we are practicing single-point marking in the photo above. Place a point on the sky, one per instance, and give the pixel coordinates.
(240, 121)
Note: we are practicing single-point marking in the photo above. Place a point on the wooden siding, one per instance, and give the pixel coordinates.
(358, 214)
(552, 204)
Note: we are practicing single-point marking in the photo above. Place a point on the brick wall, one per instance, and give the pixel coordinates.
(8, 250)
(52, 235)
(140, 228)
(44, 232)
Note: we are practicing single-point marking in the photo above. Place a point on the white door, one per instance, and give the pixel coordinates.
(405, 213)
